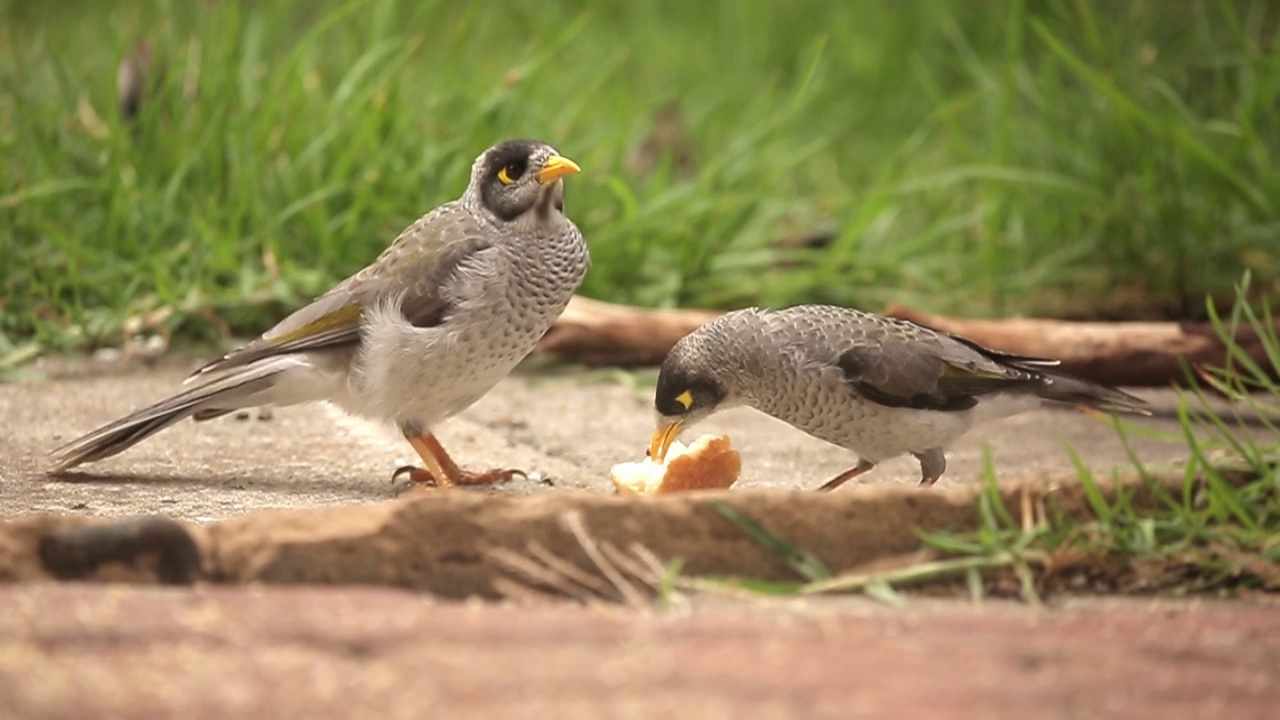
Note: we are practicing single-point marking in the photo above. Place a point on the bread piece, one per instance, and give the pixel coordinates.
(709, 463)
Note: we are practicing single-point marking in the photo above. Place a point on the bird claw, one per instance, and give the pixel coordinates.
(491, 477)
(420, 479)
(831, 484)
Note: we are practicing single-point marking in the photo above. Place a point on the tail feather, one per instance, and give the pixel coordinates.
(1073, 391)
(224, 394)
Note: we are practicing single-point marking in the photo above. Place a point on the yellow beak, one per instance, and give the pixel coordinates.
(661, 441)
(557, 167)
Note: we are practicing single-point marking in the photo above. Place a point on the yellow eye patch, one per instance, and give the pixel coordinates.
(504, 177)
(685, 398)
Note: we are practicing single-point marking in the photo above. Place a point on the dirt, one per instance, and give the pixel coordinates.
(76, 651)
(459, 545)
(266, 524)
(565, 429)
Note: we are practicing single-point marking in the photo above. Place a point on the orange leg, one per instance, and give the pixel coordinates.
(847, 475)
(442, 472)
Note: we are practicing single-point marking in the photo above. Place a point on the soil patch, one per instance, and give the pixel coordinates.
(458, 544)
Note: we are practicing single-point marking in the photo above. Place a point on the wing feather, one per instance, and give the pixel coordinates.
(415, 268)
(900, 364)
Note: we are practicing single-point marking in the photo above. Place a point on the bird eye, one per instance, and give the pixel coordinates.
(685, 399)
(512, 171)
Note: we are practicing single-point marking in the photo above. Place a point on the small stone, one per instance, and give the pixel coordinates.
(541, 478)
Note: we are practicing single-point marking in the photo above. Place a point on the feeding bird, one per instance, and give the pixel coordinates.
(443, 313)
(878, 386)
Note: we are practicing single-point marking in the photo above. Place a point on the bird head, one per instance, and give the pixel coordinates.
(519, 181)
(689, 390)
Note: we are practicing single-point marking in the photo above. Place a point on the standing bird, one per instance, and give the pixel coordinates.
(874, 385)
(443, 314)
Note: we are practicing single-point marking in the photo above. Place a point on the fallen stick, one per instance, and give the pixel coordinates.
(1115, 353)
(601, 333)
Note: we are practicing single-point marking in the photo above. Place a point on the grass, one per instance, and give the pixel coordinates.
(1069, 157)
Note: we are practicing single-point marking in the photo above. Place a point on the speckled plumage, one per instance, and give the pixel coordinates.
(878, 386)
(444, 313)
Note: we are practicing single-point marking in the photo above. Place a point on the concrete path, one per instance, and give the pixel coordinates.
(566, 428)
(374, 653)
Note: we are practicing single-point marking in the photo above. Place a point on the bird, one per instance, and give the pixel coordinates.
(429, 327)
(880, 387)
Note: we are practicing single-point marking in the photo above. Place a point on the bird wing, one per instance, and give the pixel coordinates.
(901, 364)
(415, 268)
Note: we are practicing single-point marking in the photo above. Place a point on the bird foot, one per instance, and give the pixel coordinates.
(420, 479)
(831, 484)
(844, 477)
(490, 477)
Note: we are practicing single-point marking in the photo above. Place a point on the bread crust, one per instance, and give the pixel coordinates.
(709, 463)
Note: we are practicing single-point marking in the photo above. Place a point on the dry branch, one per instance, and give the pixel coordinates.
(1116, 353)
(601, 333)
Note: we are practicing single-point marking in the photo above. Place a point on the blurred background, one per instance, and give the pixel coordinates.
(200, 168)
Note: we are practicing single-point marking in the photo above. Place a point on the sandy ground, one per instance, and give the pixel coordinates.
(248, 650)
(566, 429)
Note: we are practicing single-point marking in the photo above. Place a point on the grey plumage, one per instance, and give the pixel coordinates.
(447, 310)
(878, 386)
(217, 397)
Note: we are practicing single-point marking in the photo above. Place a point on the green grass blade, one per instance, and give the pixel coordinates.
(806, 564)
